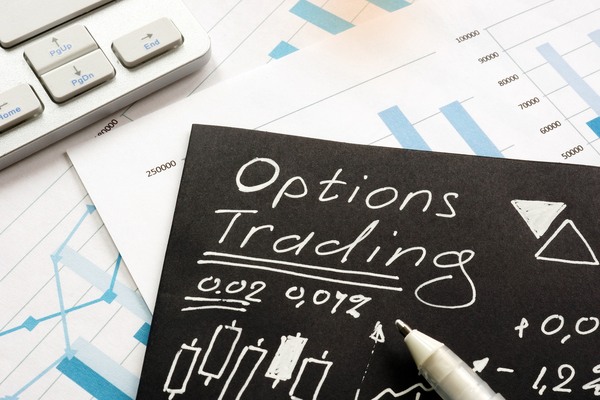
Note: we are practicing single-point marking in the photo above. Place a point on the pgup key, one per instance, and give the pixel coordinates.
(59, 48)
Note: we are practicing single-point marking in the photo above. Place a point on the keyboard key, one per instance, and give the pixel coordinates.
(59, 48)
(78, 76)
(147, 42)
(20, 20)
(17, 105)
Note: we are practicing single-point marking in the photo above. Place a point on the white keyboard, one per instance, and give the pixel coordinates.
(67, 63)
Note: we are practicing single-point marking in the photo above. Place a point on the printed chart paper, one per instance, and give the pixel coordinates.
(290, 258)
(449, 76)
(43, 202)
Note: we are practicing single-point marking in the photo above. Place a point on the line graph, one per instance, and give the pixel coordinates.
(65, 309)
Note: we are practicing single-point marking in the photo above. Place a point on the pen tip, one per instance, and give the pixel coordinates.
(403, 328)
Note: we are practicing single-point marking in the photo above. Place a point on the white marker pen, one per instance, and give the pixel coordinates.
(451, 378)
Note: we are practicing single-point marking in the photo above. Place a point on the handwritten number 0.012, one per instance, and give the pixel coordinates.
(161, 168)
(468, 36)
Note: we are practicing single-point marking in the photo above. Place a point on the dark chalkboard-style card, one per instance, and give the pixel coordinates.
(290, 258)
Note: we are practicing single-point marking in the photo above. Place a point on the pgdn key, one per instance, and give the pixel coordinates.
(78, 76)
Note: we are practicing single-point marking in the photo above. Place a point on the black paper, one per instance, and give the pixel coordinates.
(500, 265)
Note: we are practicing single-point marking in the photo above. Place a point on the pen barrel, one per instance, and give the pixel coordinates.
(452, 379)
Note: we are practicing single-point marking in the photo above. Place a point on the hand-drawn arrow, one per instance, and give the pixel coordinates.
(148, 36)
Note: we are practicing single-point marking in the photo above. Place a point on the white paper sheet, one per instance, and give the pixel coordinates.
(411, 60)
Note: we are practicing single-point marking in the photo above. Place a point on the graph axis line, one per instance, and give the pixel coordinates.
(345, 90)
(516, 15)
(550, 30)
(237, 47)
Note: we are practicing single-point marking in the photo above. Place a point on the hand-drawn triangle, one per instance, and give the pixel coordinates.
(538, 214)
(377, 334)
(479, 365)
(571, 243)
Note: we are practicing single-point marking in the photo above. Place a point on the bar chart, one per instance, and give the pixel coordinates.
(459, 118)
(560, 57)
(327, 21)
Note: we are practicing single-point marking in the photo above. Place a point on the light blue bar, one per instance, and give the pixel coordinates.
(594, 125)
(102, 281)
(402, 129)
(466, 126)
(595, 36)
(584, 90)
(390, 5)
(111, 371)
(319, 17)
(89, 380)
(282, 50)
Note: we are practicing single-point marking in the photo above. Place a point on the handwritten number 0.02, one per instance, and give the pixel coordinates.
(489, 57)
(529, 103)
(468, 36)
(161, 168)
(233, 287)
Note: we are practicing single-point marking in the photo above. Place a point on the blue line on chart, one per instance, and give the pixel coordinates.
(63, 316)
(41, 374)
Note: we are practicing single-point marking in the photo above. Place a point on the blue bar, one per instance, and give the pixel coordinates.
(584, 90)
(390, 5)
(106, 368)
(402, 129)
(466, 126)
(319, 17)
(142, 334)
(90, 381)
(595, 125)
(282, 50)
(595, 36)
